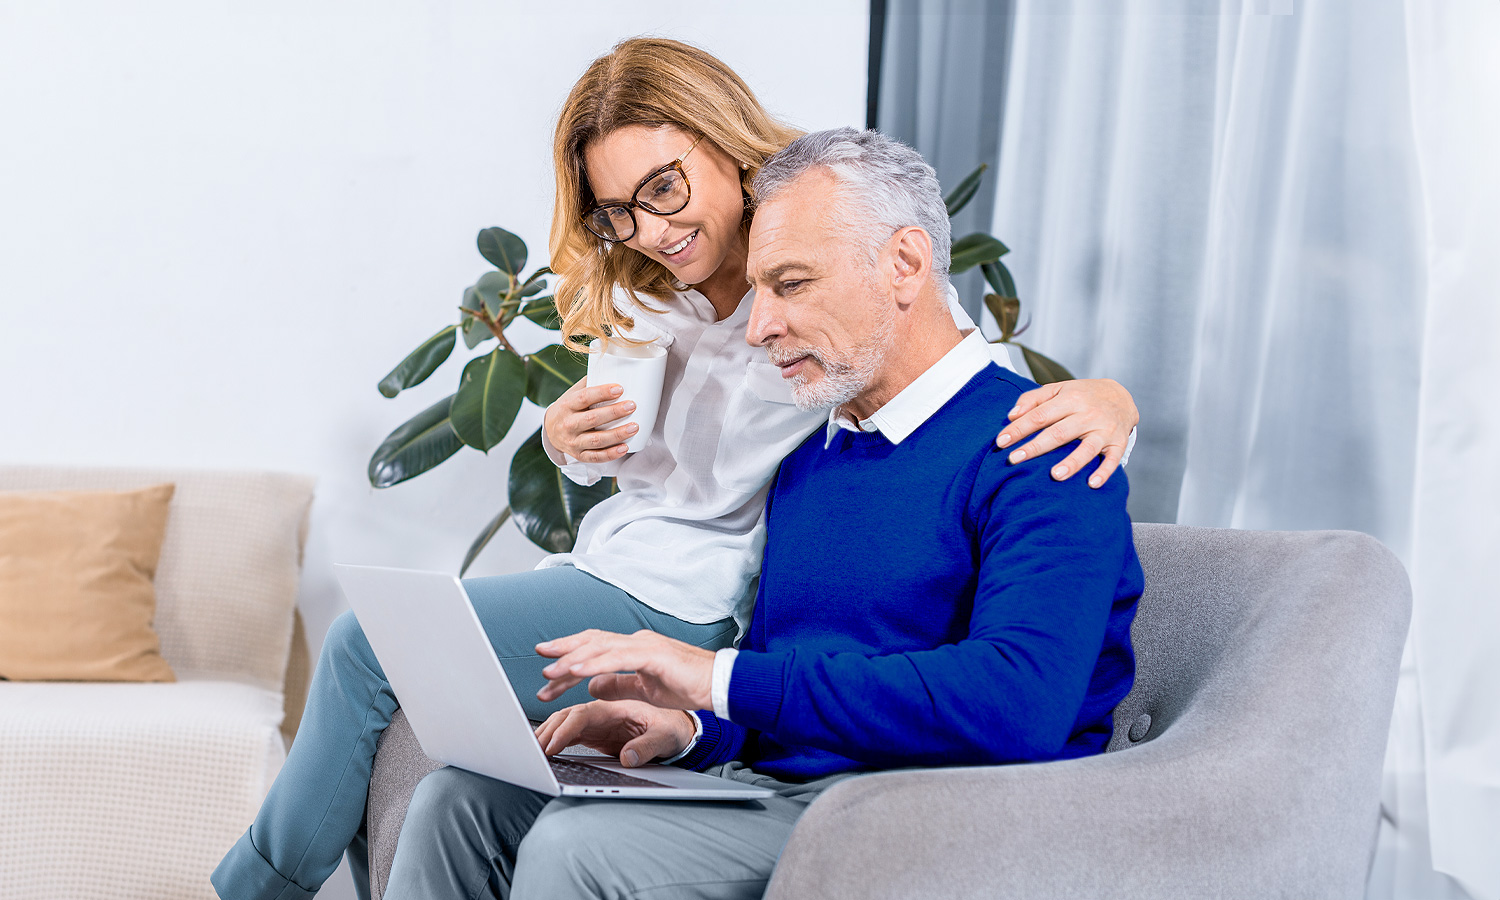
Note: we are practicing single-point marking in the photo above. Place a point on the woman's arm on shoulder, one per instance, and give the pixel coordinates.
(1097, 412)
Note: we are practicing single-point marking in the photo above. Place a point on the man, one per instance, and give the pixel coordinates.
(922, 602)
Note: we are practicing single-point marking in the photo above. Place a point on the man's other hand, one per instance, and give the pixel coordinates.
(635, 732)
(663, 672)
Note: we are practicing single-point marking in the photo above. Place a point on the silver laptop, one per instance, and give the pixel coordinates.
(463, 709)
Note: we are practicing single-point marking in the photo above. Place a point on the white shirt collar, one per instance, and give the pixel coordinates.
(918, 401)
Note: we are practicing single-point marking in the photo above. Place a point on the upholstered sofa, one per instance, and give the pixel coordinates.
(1244, 763)
(132, 790)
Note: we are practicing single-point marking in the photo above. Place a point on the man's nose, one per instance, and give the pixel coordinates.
(765, 321)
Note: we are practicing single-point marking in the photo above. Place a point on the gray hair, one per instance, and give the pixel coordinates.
(886, 185)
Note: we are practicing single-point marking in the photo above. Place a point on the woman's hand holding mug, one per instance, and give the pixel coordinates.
(571, 419)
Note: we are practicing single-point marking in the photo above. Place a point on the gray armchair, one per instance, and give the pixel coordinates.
(1253, 739)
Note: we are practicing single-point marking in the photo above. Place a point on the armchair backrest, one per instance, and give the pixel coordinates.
(1271, 658)
(226, 585)
(1248, 632)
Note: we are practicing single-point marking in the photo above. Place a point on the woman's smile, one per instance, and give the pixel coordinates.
(678, 253)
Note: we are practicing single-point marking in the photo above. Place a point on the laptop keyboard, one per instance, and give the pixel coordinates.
(569, 772)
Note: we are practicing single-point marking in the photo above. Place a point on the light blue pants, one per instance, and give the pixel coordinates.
(316, 807)
(468, 836)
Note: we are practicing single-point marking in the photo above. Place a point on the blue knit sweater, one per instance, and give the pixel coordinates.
(928, 604)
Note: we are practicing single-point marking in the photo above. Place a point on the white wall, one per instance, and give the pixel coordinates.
(221, 224)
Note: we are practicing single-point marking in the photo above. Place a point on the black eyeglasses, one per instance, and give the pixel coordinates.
(663, 192)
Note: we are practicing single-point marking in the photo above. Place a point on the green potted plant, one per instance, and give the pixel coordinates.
(985, 250)
(546, 505)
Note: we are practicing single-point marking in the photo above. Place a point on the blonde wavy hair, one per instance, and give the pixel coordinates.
(650, 82)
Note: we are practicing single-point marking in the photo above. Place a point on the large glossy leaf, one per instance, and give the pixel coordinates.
(493, 289)
(420, 444)
(550, 371)
(422, 362)
(975, 249)
(543, 311)
(537, 276)
(489, 394)
(965, 191)
(1043, 369)
(475, 331)
(504, 250)
(546, 504)
(999, 278)
(1007, 312)
(483, 540)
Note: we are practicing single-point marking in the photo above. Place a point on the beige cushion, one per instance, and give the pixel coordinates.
(226, 584)
(76, 597)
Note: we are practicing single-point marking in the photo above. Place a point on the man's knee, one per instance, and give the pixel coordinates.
(454, 805)
(571, 842)
(443, 806)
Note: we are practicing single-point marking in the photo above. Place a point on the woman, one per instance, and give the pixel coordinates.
(654, 149)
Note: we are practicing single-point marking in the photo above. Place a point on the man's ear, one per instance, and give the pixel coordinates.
(912, 261)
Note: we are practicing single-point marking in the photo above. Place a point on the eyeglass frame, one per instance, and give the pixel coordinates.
(631, 205)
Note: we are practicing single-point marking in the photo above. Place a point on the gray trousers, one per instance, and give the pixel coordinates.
(469, 836)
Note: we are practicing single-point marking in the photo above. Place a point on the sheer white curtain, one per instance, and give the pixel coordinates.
(1455, 75)
(1260, 220)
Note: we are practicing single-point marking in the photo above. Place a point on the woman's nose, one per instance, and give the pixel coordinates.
(649, 229)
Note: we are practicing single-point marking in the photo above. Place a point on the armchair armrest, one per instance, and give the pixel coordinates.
(1151, 821)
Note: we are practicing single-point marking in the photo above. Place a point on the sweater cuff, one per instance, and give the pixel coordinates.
(756, 689)
(718, 690)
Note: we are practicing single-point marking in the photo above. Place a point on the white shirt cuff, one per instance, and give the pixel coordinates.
(697, 734)
(579, 472)
(719, 689)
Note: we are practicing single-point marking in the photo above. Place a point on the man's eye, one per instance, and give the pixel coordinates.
(788, 287)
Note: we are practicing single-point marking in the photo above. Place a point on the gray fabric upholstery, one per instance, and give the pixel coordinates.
(1266, 663)
(399, 765)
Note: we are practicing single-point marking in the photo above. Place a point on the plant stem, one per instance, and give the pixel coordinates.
(498, 332)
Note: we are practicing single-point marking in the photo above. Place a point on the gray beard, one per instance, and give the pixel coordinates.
(846, 373)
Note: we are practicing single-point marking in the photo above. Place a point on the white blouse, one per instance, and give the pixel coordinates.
(684, 535)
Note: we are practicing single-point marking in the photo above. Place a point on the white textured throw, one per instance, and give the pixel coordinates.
(129, 790)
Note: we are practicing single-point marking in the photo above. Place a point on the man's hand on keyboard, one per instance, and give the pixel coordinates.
(659, 670)
(635, 732)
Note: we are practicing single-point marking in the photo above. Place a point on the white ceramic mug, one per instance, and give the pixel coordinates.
(639, 370)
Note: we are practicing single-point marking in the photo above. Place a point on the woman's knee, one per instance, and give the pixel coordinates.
(346, 644)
